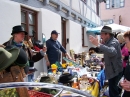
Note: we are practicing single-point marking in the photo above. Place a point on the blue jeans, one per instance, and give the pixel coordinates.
(31, 77)
(113, 88)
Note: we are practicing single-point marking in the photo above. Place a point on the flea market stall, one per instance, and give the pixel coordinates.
(83, 76)
(78, 78)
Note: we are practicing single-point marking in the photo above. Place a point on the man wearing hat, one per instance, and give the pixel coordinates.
(54, 49)
(17, 40)
(110, 47)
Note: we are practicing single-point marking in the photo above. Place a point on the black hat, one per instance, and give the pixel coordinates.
(38, 44)
(106, 29)
(54, 32)
(66, 78)
(22, 59)
(17, 29)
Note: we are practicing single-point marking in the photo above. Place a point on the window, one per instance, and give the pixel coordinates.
(114, 3)
(122, 3)
(89, 2)
(83, 43)
(29, 21)
(106, 22)
(97, 7)
(107, 4)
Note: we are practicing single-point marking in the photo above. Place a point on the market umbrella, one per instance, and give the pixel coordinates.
(115, 28)
(118, 28)
(96, 30)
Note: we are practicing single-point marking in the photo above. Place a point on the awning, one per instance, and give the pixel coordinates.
(96, 30)
(115, 28)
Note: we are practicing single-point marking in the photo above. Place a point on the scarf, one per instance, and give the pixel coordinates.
(18, 44)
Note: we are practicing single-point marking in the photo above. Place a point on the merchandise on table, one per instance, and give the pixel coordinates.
(76, 76)
(9, 93)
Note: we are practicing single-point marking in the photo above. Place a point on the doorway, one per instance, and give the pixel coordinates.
(63, 29)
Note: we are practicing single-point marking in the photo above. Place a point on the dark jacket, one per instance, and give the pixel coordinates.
(31, 57)
(54, 49)
(127, 70)
(112, 57)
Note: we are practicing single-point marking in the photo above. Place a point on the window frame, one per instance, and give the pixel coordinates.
(107, 4)
(112, 2)
(83, 43)
(123, 3)
(108, 21)
(27, 11)
(97, 8)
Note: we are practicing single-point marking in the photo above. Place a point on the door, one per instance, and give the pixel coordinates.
(63, 29)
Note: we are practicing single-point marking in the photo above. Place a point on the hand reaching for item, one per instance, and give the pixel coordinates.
(94, 40)
(47, 63)
(44, 49)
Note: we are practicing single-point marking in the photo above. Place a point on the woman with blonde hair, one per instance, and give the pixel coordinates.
(120, 38)
(124, 49)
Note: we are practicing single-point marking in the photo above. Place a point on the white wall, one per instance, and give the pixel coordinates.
(74, 33)
(85, 10)
(68, 35)
(89, 3)
(67, 2)
(47, 21)
(86, 39)
(10, 15)
(93, 17)
(88, 15)
(81, 4)
(75, 5)
(92, 5)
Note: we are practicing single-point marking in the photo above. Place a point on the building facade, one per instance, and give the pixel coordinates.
(115, 11)
(69, 17)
